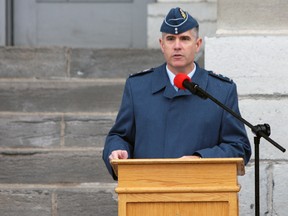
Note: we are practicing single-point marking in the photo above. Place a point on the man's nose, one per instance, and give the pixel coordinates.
(177, 44)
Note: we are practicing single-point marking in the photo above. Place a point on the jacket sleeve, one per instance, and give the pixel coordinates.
(233, 140)
(121, 136)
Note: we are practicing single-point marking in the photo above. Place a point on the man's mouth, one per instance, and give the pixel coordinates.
(177, 56)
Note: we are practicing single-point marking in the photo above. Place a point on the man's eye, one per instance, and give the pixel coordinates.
(185, 38)
(170, 38)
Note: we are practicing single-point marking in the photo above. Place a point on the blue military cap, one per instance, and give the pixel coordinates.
(178, 21)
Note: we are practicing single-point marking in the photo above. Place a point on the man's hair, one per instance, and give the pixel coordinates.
(196, 31)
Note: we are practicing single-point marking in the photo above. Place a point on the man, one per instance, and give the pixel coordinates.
(157, 120)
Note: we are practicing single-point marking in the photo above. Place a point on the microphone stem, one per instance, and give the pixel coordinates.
(195, 89)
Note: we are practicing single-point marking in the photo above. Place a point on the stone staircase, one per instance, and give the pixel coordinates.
(57, 105)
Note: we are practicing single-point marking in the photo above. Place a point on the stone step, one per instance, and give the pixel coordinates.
(52, 166)
(54, 130)
(58, 199)
(57, 106)
(62, 62)
(98, 95)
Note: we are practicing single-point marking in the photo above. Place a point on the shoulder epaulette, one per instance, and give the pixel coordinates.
(220, 76)
(142, 72)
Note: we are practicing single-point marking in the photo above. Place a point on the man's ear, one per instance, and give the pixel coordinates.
(198, 44)
(161, 44)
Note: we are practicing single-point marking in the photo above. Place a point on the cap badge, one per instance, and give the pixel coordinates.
(183, 14)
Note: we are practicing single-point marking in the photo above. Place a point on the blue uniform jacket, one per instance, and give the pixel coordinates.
(156, 121)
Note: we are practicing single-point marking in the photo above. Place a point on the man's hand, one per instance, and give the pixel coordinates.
(118, 154)
(191, 157)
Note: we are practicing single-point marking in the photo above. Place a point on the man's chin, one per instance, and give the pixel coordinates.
(179, 67)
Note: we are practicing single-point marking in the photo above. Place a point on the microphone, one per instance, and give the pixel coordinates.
(182, 81)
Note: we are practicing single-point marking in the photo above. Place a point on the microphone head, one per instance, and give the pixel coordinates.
(179, 79)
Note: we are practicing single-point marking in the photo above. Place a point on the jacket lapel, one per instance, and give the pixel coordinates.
(160, 82)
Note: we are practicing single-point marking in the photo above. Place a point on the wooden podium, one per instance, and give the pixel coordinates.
(178, 187)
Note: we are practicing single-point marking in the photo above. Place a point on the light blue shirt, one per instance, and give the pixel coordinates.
(172, 76)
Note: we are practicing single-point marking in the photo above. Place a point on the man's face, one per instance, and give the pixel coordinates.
(179, 50)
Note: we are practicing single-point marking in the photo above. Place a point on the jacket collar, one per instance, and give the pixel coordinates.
(160, 81)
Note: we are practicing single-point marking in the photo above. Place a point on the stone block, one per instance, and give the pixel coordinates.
(273, 111)
(48, 63)
(58, 199)
(200, 10)
(113, 63)
(252, 17)
(30, 131)
(280, 187)
(178, 1)
(52, 167)
(71, 203)
(61, 96)
(247, 192)
(255, 63)
(25, 203)
(40, 130)
(87, 131)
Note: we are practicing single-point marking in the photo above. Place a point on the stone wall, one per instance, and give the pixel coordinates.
(249, 47)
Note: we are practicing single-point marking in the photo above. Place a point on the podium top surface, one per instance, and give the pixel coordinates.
(177, 160)
(238, 161)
